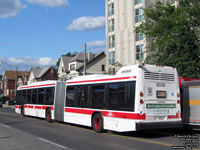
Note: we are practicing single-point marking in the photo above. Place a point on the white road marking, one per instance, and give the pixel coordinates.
(5, 125)
(47, 141)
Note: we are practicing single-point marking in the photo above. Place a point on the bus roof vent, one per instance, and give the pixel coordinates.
(159, 76)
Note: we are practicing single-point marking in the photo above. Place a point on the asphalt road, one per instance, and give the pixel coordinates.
(19, 133)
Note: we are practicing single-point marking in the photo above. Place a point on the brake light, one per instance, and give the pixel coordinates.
(178, 101)
(141, 101)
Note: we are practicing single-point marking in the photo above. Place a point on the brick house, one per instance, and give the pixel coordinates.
(9, 82)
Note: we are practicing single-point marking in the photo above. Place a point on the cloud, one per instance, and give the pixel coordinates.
(24, 64)
(96, 43)
(87, 23)
(13, 60)
(50, 3)
(9, 8)
(45, 61)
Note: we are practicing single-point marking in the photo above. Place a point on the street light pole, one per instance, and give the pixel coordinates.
(84, 66)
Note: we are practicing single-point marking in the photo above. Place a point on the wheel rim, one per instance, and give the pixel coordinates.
(97, 123)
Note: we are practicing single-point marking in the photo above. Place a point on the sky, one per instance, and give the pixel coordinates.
(37, 32)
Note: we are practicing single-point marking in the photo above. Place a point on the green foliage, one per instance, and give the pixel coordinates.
(174, 36)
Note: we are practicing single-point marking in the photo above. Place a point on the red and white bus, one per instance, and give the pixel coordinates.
(138, 97)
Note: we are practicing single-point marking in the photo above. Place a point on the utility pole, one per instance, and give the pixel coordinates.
(84, 66)
(16, 82)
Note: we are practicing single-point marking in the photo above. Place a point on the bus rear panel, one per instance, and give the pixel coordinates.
(158, 98)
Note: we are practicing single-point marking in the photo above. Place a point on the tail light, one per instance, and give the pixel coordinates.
(141, 101)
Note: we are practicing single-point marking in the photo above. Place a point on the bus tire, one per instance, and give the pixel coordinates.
(97, 123)
(23, 111)
(48, 115)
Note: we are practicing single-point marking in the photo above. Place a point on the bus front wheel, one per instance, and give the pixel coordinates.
(48, 115)
(97, 123)
(23, 111)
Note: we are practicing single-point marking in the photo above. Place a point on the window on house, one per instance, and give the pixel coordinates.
(103, 68)
(111, 25)
(111, 9)
(139, 15)
(139, 52)
(138, 2)
(72, 67)
(138, 36)
(111, 41)
(171, 1)
(111, 58)
(111, 71)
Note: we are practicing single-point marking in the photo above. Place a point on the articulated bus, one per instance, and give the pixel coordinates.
(138, 97)
(191, 104)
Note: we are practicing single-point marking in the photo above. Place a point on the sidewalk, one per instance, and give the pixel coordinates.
(10, 106)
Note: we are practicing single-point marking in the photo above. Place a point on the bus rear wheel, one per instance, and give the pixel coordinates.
(48, 115)
(97, 123)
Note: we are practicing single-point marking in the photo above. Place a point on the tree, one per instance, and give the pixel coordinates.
(68, 54)
(174, 36)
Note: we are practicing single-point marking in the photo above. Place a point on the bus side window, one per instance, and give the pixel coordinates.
(82, 96)
(97, 96)
(130, 101)
(41, 96)
(23, 97)
(49, 96)
(70, 100)
(34, 96)
(116, 95)
(18, 101)
(29, 97)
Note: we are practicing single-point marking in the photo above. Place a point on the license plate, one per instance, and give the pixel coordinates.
(161, 94)
(160, 111)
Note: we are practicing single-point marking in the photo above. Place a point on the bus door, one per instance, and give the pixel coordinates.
(59, 101)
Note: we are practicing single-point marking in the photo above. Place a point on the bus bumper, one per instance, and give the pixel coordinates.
(158, 125)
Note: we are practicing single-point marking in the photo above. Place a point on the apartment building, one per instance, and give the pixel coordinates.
(123, 45)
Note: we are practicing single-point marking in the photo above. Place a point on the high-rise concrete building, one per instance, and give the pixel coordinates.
(123, 44)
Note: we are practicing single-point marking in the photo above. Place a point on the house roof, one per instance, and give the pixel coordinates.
(39, 72)
(92, 60)
(36, 71)
(80, 57)
(11, 75)
(66, 60)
